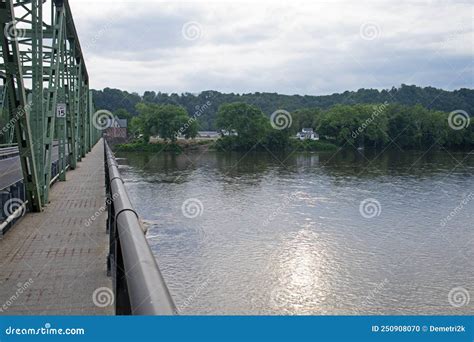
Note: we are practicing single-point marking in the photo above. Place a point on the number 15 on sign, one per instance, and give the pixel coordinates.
(61, 110)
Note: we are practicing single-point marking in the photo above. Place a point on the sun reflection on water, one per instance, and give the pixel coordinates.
(302, 266)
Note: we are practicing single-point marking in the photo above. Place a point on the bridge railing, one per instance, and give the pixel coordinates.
(13, 205)
(8, 152)
(138, 284)
(13, 199)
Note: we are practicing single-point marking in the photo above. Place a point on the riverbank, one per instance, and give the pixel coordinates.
(176, 147)
(217, 145)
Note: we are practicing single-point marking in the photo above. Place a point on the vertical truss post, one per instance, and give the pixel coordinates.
(71, 99)
(62, 113)
(84, 115)
(17, 105)
(91, 126)
(87, 114)
(52, 94)
(77, 109)
(36, 114)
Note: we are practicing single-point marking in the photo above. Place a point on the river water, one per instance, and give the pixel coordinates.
(310, 233)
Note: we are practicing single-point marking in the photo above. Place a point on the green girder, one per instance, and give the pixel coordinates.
(58, 107)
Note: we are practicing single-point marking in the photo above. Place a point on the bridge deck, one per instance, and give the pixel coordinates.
(52, 262)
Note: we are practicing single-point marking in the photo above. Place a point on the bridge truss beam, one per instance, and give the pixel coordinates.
(55, 105)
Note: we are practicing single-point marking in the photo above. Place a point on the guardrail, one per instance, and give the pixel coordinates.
(12, 190)
(138, 284)
(8, 152)
(12, 205)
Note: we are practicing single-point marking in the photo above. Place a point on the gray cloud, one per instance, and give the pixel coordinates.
(305, 48)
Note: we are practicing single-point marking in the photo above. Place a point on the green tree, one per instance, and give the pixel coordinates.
(135, 126)
(122, 113)
(167, 121)
(356, 125)
(277, 140)
(249, 122)
(305, 118)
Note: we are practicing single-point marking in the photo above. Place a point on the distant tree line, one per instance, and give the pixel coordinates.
(409, 95)
(377, 125)
(246, 126)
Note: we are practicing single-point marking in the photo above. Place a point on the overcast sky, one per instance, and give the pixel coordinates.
(309, 47)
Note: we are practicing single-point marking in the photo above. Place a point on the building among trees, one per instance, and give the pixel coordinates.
(307, 133)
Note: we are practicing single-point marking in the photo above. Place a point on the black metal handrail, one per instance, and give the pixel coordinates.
(138, 284)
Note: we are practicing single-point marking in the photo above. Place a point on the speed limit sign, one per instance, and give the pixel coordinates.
(61, 110)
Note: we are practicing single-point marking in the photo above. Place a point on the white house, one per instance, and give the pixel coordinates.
(226, 133)
(307, 133)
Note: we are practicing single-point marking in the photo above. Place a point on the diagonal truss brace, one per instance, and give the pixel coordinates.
(18, 107)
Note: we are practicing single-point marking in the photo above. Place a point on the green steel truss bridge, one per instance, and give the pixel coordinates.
(46, 95)
(75, 244)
